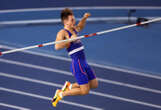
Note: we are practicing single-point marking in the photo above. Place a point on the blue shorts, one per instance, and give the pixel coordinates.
(82, 71)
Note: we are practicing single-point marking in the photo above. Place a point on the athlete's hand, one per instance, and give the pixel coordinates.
(86, 15)
(74, 36)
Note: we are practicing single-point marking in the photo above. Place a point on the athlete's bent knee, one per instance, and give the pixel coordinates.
(94, 85)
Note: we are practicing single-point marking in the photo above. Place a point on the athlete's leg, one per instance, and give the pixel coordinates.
(82, 90)
(93, 83)
(75, 85)
(82, 86)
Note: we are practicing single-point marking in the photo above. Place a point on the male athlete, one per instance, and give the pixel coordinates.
(83, 73)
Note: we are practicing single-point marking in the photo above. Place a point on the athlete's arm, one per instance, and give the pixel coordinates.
(62, 36)
(82, 22)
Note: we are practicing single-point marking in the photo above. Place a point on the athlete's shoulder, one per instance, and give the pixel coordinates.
(62, 31)
(63, 34)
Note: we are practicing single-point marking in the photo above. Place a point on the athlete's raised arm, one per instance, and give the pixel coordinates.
(82, 22)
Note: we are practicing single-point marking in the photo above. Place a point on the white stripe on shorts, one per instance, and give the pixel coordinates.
(76, 50)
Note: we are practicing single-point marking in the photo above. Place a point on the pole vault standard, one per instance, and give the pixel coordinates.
(80, 37)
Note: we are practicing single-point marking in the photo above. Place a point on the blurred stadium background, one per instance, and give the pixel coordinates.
(24, 23)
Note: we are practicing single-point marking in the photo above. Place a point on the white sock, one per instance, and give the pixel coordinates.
(61, 94)
(70, 87)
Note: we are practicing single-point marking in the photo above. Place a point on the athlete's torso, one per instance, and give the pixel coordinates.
(76, 48)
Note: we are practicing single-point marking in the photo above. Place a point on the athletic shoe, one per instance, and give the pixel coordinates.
(57, 97)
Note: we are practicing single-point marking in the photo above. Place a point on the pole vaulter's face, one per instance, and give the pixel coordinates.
(71, 21)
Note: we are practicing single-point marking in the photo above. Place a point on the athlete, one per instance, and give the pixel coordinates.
(85, 77)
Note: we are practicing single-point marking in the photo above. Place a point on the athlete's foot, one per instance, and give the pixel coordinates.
(58, 96)
(67, 86)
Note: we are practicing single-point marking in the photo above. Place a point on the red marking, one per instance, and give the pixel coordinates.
(85, 35)
(40, 45)
(138, 24)
(0, 53)
(90, 35)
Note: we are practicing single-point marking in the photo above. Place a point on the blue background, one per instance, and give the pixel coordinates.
(136, 49)
(19, 4)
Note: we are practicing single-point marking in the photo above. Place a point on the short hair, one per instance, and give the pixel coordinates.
(65, 13)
